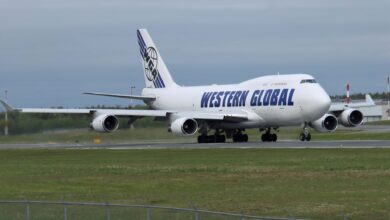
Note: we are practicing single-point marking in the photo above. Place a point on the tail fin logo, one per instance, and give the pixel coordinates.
(150, 61)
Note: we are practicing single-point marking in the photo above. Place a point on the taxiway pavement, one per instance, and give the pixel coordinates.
(178, 145)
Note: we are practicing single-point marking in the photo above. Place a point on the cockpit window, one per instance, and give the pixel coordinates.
(308, 81)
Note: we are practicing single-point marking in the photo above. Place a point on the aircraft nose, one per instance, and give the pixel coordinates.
(315, 102)
(323, 102)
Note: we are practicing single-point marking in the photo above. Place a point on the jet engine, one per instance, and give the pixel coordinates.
(350, 117)
(105, 123)
(184, 126)
(326, 123)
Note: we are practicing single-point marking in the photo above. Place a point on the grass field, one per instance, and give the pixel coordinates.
(310, 183)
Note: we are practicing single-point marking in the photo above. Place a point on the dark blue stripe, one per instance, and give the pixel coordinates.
(140, 45)
(154, 84)
(156, 79)
(161, 80)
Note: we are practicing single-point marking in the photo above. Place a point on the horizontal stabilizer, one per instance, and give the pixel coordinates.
(136, 97)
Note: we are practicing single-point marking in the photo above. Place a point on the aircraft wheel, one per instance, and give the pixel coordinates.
(201, 139)
(274, 137)
(221, 138)
(302, 137)
(263, 137)
(308, 137)
(236, 138)
(211, 138)
(240, 137)
(244, 138)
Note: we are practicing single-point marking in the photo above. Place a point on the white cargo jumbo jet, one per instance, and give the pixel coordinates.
(218, 112)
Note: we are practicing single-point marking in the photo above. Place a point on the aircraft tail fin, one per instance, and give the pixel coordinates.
(6, 106)
(155, 72)
(369, 100)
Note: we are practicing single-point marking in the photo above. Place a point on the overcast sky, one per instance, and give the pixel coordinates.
(53, 50)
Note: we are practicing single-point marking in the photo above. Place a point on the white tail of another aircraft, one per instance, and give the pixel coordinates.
(155, 72)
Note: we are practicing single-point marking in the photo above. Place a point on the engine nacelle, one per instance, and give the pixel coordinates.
(184, 126)
(326, 123)
(350, 117)
(105, 123)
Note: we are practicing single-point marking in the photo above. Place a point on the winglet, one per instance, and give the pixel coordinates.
(369, 100)
(7, 107)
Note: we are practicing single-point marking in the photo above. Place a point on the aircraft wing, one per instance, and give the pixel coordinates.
(220, 116)
(137, 97)
(337, 107)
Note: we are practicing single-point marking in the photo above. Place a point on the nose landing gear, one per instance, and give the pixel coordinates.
(305, 135)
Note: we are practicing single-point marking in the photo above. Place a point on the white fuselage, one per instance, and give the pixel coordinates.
(269, 101)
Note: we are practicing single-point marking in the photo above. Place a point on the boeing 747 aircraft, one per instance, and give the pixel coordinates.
(218, 112)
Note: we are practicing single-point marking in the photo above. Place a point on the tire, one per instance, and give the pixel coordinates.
(244, 138)
(212, 139)
(274, 137)
(302, 137)
(308, 137)
(201, 139)
(235, 139)
(263, 138)
(221, 139)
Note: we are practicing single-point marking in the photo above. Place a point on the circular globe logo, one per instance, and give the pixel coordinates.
(150, 61)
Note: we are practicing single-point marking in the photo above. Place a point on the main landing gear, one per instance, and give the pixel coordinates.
(268, 136)
(240, 137)
(237, 136)
(305, 135)
(211, 138)
(215, 138)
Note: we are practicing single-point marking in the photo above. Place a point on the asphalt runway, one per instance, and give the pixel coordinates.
(179, 145)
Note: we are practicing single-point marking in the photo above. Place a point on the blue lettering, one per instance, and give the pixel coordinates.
(283, 97)
(254, 98)
(290, 97)
(205, 99)
(236, 98)
(229, 101)
(212, 99)
(224, 98)
(218, 98)
(267, 96)
(259, 99)
(274, 97)
(243, 98)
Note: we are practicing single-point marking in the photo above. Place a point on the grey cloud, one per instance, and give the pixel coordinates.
(51, 51)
